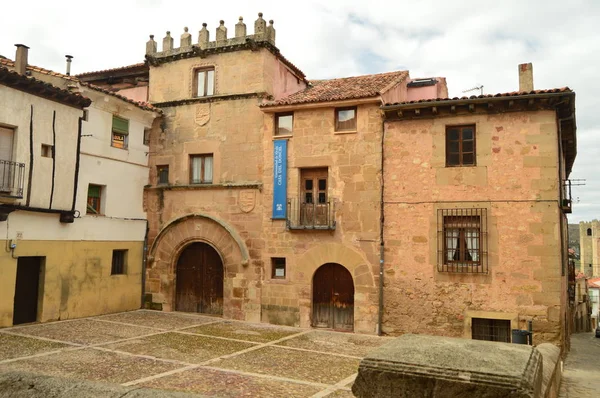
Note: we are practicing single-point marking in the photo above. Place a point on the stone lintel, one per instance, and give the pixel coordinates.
(432, 366)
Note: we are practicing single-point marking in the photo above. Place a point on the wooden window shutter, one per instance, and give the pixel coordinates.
(93, 191)
(120, 125)
(6, 143)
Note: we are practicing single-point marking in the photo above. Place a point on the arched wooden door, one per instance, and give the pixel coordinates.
(199, 281)
(333, 298)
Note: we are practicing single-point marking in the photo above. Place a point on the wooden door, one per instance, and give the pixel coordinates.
(199, 280)
(27, 289)
(333, 298)
(313, 199)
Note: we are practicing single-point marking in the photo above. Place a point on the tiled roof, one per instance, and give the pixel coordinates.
(140, 104)
(343, 89)
(119, 69)
(9, 63)
(594, 282)
(510, 94)
(580, 275)
(42, 89)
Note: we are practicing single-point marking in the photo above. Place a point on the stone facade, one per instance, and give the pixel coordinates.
(589, 235)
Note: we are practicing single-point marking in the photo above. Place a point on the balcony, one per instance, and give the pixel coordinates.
(310, 216)
(12, 177)
(566, 202)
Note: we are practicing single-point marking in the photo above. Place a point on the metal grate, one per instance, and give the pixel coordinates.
(12, 177)
(319, 214)
(490, 329)
(462, 241)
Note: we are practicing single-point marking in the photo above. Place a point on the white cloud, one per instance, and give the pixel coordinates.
(469, 42)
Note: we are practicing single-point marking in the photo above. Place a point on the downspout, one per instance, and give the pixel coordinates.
(29, 182)
(77, 159)
(144, 263)
(53, 157)
(381, 243)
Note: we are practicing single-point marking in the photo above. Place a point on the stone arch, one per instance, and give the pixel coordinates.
(170, 242)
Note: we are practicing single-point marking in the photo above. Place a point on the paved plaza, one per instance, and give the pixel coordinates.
(190, 353)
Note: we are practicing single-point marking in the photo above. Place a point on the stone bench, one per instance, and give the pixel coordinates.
(430, 366)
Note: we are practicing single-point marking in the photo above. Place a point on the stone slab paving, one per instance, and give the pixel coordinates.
(581, 377)
(189, 353)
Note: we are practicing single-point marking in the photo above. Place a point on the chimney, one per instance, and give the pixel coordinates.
(526, 77)
(21, 59)
(69, 58)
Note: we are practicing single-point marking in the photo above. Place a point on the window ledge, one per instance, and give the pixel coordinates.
(285, 137)
(165, 187)
(345, 132)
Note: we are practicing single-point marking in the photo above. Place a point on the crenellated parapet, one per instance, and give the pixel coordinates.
(262, 33)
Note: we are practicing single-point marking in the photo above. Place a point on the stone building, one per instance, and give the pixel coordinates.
(589, 255)
(475, 224)
(78, 244)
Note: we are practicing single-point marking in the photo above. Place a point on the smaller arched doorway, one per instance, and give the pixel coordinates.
(333, 298)
(199, 280)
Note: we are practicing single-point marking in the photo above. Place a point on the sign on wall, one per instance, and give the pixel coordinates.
(279, 178)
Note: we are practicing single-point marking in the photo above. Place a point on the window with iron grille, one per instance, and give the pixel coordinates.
(163, 174)
(119, 262)
(460, 146)
(462, 240)
(490, 329)
(277, 267)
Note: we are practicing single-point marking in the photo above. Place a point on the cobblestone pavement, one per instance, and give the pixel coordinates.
(190, 353)
(581, 377)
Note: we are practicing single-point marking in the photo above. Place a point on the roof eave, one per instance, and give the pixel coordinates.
(322, 104)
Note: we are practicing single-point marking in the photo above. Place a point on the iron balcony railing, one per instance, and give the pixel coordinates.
(12, 177)
(303, 215)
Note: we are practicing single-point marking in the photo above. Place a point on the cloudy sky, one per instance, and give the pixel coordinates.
(471, 43)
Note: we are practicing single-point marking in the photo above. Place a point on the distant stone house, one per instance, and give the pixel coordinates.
(371, 203)
(589, 252)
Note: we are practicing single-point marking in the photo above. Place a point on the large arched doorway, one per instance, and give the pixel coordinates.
(333, 298)
(199, 280)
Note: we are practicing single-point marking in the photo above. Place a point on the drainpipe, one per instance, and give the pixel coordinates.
(144, 263)
(381, 244)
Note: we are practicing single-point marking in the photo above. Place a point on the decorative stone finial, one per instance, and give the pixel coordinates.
(221, 31)
(151, 45)
(260, 27)
(240, 28)
(186, 38)
(203, 36)
(271, 32)
(167, 42)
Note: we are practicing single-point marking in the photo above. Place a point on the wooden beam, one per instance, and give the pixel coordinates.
(434, 110)
(471, 107)
(453, 108)
(400, 113)
(417, 112)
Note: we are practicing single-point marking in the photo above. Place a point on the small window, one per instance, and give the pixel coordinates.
(278, 268)
(94, 199)
(490, 329)
(589, 232)
(163, 174)
(345, 119)
(47, 151)
(201, 169)
(120, 132)
(205, 82)
(119, 262)
(146, 136)
(284, 123)
(462, 240)
(460, 146)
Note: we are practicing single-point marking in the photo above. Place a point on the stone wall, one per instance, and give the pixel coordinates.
(516, 181)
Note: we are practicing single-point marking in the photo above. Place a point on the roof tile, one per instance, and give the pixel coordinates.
(342, 89)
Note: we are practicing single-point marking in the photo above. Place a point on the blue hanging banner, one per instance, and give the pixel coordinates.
(279, 178)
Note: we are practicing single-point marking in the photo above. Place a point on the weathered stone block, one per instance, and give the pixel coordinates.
(428, 366)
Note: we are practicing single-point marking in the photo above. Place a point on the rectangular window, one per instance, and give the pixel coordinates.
(201, 169)
(120, 132)
(47, 151)
(462, 240)
(278, 268)
(284, 123)
(146, 136)
(94, 199)
(163, 174)
(490, 329)
(460, 146)
(314, 205)
(345, 119)
(119, 262)
(205, 82)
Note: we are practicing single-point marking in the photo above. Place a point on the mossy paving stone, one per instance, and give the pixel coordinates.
(341, 394)
(336, 342)
(158, 320)
(294, 364)
(181, 347)
(244, 331)
(229, 385)
(21, 346)
(84, 331)
(92, 364)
